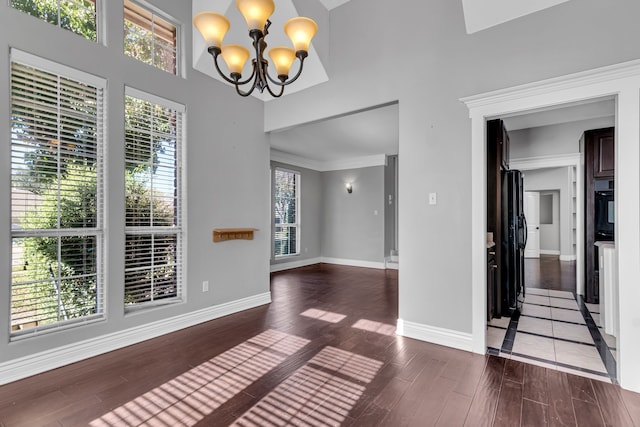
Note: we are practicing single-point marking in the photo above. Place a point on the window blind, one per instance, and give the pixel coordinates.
(286, 212)
(56, 196)
(154, 232)
(150, 38)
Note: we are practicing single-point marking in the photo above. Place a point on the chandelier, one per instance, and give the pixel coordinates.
(213, 27)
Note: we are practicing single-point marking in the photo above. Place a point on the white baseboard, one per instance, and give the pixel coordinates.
(328, 260)
(392, 263)
(567, 257)
(353, 262)
(433, 334)
(37, 363)
(295, 264)
(549, 252)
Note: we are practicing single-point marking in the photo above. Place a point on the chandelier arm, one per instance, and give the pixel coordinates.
(253, 73)
(215, 61)
(250, 91)
(215, 55)
(272, 93)
(291, 80)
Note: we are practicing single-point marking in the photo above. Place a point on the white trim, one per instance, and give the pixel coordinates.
(356, 163)
(353, 262)
(294, 264)
(392, 264)
(541, 162)
(328, 260)
(550, 87)
(567, 258)
(548, 252)
(154, 99)
(50, 359)
(292, 159)
(623, 82)
(329, 165)
(433, 334)
(34, 61)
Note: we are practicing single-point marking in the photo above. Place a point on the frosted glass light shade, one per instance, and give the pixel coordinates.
(300, 30)
(256, 12)
(212, 26)
(235, 57)
(282, 58)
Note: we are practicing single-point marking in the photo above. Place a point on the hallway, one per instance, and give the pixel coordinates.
(556, 328)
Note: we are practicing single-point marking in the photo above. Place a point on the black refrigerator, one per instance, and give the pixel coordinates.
(514, 239)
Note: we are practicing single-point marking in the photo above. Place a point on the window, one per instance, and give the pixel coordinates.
(286, 212)
(56, 195)
(78, 16)
(149, 38)
(153, 177)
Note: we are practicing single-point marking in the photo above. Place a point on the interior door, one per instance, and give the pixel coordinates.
(532, 214)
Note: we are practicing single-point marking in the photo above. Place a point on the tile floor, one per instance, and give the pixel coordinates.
(557, 331)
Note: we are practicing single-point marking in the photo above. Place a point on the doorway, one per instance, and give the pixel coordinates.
(621, 81)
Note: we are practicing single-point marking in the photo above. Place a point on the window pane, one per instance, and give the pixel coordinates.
(78, 16)
(152, 267)
(55, 206)
(149, 38)
(286, 212)
(53, 280)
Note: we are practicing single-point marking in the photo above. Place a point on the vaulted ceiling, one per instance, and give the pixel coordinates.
(375, 130)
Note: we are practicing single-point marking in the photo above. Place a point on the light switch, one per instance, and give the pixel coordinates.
(433, 199)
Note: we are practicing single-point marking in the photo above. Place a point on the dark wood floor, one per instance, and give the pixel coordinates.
(547, 272)
(323, 353)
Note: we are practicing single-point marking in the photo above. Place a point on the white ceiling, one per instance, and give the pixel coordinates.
(356, 135)
(332, 4)
(592, 109)
(483, 14)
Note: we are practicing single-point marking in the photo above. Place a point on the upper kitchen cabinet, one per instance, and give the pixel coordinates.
(601, 142)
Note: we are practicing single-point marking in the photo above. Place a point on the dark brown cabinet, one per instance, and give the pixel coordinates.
(497, 160)
(598, 146)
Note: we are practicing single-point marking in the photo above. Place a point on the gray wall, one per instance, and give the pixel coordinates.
(311, 207)
(552, 140)
(227, 171)
(353, 224)
(438, 68)
(554, 179)
(336, 224)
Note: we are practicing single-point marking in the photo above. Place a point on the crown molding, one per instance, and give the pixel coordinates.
(330, 165)
(570, 81)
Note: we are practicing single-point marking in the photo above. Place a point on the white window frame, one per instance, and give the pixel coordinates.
(180, 229)
(155, 12)
(298, 213)
(27, 59)
(99, 20)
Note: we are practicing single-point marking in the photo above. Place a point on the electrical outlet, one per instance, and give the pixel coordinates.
(205, 286)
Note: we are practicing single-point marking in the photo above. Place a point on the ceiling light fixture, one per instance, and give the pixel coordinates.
(213, 27)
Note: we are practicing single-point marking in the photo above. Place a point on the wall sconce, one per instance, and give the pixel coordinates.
(349, 188)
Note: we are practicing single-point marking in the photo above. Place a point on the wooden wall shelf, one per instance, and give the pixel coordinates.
(224, 234)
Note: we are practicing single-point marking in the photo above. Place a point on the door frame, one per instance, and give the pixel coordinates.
(621, 81)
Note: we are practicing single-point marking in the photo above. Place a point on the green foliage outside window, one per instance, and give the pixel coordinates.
(78, 16)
